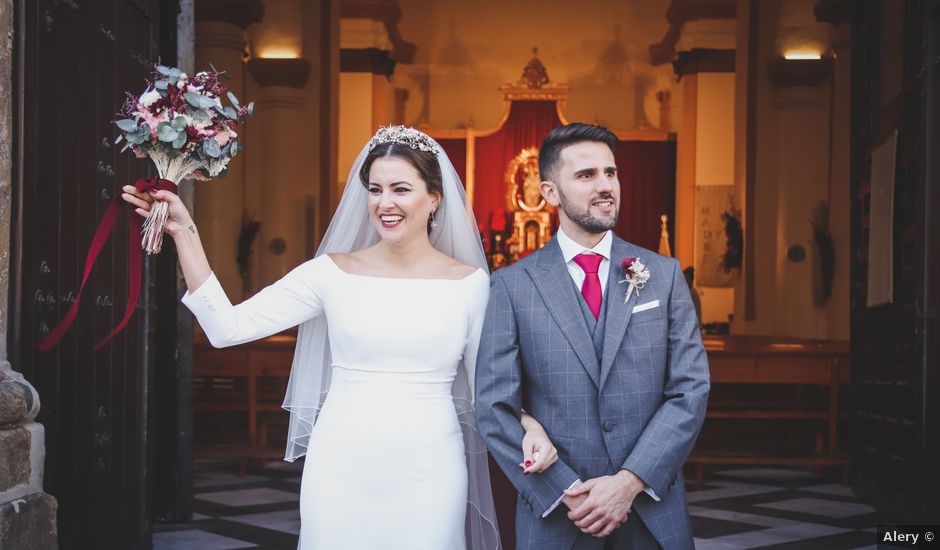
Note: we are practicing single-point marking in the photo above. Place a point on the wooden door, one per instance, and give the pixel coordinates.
(76, 58)
(894, 346)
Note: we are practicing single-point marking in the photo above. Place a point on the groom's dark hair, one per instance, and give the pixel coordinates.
(569, 134)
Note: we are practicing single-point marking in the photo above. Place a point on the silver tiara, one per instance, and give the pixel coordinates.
(404, 135)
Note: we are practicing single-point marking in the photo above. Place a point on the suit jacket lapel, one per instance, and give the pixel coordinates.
(618, 312)
(557, 290)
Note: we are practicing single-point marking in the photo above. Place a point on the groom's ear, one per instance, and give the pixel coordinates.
(549, 192)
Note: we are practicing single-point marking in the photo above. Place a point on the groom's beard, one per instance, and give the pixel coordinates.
(584, 219)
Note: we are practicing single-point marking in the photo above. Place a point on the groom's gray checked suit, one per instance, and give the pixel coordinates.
(628, 390)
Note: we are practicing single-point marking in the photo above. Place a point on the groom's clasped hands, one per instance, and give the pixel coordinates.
(600, 505)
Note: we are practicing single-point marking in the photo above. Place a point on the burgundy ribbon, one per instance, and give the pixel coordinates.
(134, 263)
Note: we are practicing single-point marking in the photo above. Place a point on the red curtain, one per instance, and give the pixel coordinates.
(647, 173)
(528, 123)
(456, 150)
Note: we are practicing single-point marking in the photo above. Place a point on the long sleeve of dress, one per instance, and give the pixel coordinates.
(295, 298)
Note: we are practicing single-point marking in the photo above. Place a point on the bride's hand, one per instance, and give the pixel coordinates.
(178, 219)
(537, 449)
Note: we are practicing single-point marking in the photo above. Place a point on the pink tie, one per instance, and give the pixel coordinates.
(591, 289)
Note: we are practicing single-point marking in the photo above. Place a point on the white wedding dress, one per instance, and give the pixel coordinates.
(385, 466)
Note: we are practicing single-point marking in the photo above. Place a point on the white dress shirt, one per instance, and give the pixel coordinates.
(570, 249)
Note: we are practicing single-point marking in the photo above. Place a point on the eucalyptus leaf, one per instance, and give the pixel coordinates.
(251, 108)
(165, 71)
(135, 138)
(180, 140)
(178, 123)
(167, 134)
(230, 112)
(193, 99)
(160, 84)
(226, 149)
(127, 125)
(175, 73)
(126, 146)
(118, 139)
(234, 100)
(207, 102)
(200, 115)
(211, 148)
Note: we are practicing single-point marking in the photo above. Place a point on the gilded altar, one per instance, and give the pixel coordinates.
(532, 217)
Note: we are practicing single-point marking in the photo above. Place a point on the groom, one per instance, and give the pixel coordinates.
(607, 358)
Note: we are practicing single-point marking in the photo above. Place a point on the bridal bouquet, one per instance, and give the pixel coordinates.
(180, 123)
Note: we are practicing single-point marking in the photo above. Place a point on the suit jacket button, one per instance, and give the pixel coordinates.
(608, 426)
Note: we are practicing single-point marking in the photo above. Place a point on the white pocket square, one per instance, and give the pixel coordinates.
(646, 306)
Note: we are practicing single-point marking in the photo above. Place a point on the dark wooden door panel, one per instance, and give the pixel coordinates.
(893, 352)
(77, 58)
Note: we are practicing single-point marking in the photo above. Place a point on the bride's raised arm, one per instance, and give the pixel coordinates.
(290, 301)
(180, 226)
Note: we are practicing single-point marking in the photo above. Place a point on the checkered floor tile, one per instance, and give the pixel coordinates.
(734, 508)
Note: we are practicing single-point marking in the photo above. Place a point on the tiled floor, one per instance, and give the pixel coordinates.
(735, 508)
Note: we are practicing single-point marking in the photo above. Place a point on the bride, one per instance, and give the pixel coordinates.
(390, 313)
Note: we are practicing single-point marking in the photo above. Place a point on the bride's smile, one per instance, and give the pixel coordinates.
(400, 201)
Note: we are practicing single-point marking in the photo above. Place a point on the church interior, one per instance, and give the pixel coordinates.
(783, 151)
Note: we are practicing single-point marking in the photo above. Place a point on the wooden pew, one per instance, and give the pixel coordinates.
(229, 380)
(742, 360)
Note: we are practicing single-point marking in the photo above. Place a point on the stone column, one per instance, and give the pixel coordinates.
(220, 42)
(801, 174)
(705, 61)
(27, 514)
(370, 47)
(287, 175)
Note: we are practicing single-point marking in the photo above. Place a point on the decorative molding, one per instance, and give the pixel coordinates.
(236, 12)
(291, 73)
(681, 12)
(366, 60)
(534, 84)
(389, 13)
(834, 12)
(548, 92)
(788, 73)
(703, 60)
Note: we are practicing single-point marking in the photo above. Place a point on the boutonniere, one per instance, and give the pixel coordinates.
(635, 274)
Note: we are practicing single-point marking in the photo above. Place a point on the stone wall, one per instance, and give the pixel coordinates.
(27, 514)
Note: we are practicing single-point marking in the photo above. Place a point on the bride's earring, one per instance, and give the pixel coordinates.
(433, 223)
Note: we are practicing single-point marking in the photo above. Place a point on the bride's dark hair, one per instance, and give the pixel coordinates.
(424, 162)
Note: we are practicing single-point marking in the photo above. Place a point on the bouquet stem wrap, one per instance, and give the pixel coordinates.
(170, 170)
(134, 259)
